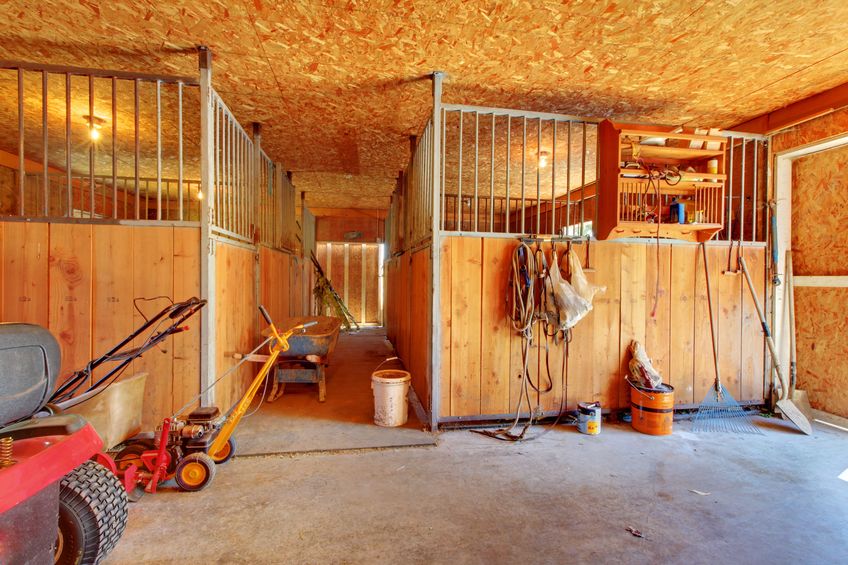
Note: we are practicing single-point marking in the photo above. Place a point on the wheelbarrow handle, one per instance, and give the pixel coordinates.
(265, 314)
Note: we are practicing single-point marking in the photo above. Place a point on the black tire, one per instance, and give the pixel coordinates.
(92, 515)
(195, 471)
(226, 453)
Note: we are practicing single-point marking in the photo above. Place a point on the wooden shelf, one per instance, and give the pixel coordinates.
(670, 153)
(618, 185)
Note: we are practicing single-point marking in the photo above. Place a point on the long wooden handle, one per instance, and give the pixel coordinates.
(793, 352)
(712, 321)
(766, 331)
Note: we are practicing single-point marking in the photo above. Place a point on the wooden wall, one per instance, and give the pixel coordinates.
(335, 228)
(408, 315)
(354, 271)
(237, 312)
(481, 354)
(80, 280)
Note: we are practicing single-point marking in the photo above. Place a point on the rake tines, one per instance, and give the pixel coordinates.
(719, 412)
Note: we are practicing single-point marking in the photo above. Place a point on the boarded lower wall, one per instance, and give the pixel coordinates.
(481, 354)
(80, 280)
(408, 315)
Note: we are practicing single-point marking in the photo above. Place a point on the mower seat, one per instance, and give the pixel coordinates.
(30, 360)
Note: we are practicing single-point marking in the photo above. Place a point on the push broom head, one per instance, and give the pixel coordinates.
(719, 412)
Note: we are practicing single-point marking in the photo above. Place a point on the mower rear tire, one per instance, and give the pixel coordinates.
(195, 471)
(92, 515)
(226, 452)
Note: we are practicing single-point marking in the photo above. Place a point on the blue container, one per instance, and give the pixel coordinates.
(678, 212)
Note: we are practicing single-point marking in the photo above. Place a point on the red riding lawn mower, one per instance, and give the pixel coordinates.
(47, 477)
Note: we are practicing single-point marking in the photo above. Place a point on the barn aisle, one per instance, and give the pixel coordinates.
(297, 422)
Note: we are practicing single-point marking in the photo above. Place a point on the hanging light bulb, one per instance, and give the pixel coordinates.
(94, 134)
(199, 194)
(543, 159)
(94, 124)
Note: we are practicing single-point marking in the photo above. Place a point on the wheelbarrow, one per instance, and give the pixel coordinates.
(307, 357)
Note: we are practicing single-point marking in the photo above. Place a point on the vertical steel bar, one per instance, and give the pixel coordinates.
(137, 142)
(523, 170)
(553, 229)
(21, 161)
(180, 149)
(158, 149)
(583, 184)
(742, 194)
(729, 219)
(114, 148)
(459, 204)
(68, 175)
(45, 181)
(476, 168)
(443, 190)
(568, 182)
(491, 209)
(91, 146)
(507, 228)
(755, 204)
(434, 349)
(539, 178)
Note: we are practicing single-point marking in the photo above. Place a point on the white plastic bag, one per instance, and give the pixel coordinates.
(565, 306)
(583, 287)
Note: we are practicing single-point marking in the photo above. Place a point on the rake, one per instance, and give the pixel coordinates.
(719, 412)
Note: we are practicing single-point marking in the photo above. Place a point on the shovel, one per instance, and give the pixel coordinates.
(797, 397)
(785, 404)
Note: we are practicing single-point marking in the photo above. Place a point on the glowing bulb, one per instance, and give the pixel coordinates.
(200, 195)
(94, 133)
(543, 159)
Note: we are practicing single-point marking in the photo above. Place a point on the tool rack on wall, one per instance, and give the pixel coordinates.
(643, 171)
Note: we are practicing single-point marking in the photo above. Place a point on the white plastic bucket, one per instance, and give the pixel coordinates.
(390, 387)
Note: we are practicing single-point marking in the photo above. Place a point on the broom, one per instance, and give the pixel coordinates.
(719, 412)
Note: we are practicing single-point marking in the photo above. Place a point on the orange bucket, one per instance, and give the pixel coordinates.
(652, 409)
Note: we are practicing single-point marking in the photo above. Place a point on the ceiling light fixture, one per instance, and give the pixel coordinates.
(94, 125)
(543, 159)
(199, 194)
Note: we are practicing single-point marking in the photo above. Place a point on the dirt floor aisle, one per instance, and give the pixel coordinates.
(297, 422)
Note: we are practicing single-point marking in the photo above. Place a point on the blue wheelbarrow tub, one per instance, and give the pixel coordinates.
(318, 340)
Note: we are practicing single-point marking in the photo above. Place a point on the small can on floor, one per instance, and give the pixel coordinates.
(589, 418)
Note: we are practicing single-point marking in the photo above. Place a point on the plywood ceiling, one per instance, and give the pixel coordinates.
(339, 86)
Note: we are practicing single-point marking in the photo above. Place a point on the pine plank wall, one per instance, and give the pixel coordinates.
(481, 354)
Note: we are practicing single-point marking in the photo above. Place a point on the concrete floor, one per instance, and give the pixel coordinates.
(297, 422)
(563, 498)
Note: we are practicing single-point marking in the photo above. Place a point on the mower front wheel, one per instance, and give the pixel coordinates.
(92, 514)
(195, 471)
(226, 453)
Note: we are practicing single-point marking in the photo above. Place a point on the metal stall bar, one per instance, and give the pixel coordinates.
(742, 195)
(45, 181)
(539, 177)
(181, 217)
(115, 148)
(476, 168)
(508, 169)
(729, 206)
(553, 229)
(458, 207)
(523, 170)
(435, 254)
(91, 147)
(492, 180)
(207, 244)
(583, 184)
(136, 84)
(69, 189)
(568, 182)
(21, 162)
(158, 150)
(755, 203)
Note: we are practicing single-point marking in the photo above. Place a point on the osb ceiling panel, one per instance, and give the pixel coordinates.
(339, 86)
